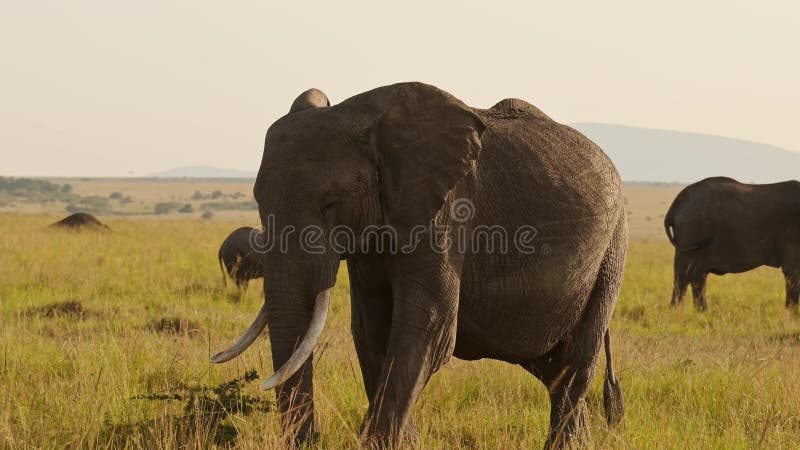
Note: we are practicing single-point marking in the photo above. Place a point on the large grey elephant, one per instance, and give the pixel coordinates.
(719, 225)
(410, 158)
(239, 256)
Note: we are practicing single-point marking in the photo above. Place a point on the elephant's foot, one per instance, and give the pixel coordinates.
(373, 438)
(573, 432)
(701, 306)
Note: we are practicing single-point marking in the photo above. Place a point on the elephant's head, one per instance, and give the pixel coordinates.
(386, 157)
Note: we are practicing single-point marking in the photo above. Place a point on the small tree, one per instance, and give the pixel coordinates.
(163, 208)
(187, 208)
(115, 196)
(66, 189)
(216, 194)
(208, 215)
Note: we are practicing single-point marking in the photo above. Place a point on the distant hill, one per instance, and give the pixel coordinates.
(203, 172)
(643, 154)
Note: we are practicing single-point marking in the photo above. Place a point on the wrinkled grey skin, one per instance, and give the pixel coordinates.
(719, 225)
(400, 155)
(239, 259)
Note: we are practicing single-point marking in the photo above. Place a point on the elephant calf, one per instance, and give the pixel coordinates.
(402, 170)
(719, 225)
(238, 257)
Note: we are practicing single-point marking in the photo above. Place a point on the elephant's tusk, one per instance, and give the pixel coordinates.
(247, 338)
(306, 347)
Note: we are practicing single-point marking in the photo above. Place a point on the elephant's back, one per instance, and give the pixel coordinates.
(238, 242)
(731, 215)
(555, 171)
(537, 175)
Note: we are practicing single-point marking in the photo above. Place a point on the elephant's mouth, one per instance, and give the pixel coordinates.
(301, 353)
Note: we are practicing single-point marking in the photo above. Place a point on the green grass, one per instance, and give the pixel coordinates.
(125, 365)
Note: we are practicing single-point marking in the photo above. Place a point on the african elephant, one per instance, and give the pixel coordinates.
(239, 258)
(417, 164)
(719, 225)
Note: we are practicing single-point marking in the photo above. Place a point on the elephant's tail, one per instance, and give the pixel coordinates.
(613, 403)
(669, 222)
(669, 227)
(222, 268)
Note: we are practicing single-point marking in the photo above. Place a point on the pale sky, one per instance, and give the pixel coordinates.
(106, 88)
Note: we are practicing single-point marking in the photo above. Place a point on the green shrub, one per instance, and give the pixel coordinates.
(166, 207)
(249, 205)
(92, 205)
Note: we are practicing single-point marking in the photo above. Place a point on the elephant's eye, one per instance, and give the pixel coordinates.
(327, 207)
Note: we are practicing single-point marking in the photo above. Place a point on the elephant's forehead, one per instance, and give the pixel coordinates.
(306, 146)
(315, 149)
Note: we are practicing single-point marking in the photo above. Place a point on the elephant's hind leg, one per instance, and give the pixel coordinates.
(681, 270)
(568, 369)
(792, 287)
(699, 291)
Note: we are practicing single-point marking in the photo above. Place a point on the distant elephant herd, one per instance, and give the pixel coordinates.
(402, 156)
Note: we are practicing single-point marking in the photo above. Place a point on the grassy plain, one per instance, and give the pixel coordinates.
(105, 339)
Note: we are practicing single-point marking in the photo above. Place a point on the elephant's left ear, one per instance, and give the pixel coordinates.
(426, 141)
(312, 98)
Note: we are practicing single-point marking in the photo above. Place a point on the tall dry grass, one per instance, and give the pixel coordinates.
(105, 339)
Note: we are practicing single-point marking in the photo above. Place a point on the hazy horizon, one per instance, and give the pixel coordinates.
(95, 89)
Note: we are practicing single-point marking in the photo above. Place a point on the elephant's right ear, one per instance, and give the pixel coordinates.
(312, 98)
(426, 141)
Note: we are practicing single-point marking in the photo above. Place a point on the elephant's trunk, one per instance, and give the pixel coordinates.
(294, 327)
(306, 347)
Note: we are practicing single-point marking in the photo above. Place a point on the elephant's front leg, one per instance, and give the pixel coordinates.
(421, 340)
(371, 318)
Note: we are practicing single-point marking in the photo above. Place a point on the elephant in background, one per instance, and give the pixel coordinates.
(239, 258)
(719, 225)
(411, 157)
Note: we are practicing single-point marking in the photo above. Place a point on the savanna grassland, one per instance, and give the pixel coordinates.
(105, 339)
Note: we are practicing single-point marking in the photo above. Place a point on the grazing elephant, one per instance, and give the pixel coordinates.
(239, 257)
(719, 225)
(430, 174)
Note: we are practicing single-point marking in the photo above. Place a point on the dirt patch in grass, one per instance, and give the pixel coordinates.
(200, 289)
(174, 325)
(73, 309)
(636, 313)
(791, 338)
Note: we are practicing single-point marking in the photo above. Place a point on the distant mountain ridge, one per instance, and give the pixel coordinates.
(642, 154)
(203, 172)
(645, 154)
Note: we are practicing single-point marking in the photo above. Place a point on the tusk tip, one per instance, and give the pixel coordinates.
(217, 359)
(270, 383)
